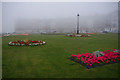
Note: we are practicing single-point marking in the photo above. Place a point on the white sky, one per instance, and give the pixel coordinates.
(0, 17)
(59, 0)
(12, 11)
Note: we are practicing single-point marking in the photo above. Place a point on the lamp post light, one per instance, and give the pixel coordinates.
(77, 23)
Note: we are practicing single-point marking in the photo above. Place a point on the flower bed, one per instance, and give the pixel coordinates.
(26, 43)
(91, 60)
(21, 34)
(78, 35)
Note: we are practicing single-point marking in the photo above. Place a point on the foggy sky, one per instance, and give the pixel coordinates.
(0, 18)
(13, 11)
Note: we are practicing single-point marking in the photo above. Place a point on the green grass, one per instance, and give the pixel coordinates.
(51, 60)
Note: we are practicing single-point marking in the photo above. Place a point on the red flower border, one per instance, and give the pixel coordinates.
(28, 43)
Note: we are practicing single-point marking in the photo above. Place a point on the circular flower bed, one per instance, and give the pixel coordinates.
(26, 43)
(77, 35)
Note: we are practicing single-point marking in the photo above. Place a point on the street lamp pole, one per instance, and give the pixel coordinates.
(77, 23)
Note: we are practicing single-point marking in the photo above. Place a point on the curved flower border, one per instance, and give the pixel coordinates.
(26, 43)
(89, 60)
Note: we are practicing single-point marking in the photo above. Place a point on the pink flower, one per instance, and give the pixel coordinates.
(101, 59)
(72, 55)
(97, 61)
(90, 64)
(91, 61)
(88, 59)
(78, 58)
(82, 59)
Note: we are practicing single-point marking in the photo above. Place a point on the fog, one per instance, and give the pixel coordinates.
(38, 17)
(0, 18)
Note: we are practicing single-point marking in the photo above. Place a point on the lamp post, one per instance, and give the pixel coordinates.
(77, 23)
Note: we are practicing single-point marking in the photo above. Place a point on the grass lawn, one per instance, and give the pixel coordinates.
(51, 60)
